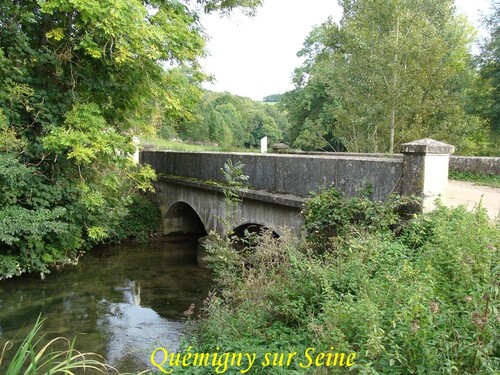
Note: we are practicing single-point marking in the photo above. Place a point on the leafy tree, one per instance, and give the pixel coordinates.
(489, 62)
(263, 125)
(390, 72)
(78, 80)
(231, 120)
(310, 112)
(218, 130)
(226, 6)
(272, 98)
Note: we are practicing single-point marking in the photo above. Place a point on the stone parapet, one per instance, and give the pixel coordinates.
(425, 170)
(299, 175)
(421, 170)
(475, 164)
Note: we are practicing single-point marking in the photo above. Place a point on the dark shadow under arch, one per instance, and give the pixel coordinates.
(252, 228)
(182, 219)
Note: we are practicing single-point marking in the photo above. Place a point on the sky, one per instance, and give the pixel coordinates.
(255, 57)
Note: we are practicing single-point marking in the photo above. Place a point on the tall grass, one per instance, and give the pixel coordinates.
(492, 180)
(58, 356)
(422, 298)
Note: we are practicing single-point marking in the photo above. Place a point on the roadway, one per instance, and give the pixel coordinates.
(470, 194)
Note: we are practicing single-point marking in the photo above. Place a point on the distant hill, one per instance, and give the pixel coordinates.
(272, 98)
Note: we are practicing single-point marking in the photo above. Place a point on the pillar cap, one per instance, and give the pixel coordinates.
(427, 146)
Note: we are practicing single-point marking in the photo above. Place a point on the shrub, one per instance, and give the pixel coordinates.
(143, 219)
(423, 300)
(330, 214)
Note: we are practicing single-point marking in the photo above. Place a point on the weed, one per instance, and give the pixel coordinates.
(492, 180)
(423, 299)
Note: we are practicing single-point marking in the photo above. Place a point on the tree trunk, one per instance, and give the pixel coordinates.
(394, 90)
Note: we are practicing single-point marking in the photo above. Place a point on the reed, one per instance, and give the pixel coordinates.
(31, 358)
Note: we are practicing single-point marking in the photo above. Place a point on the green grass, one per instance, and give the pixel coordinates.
(163, 144)
(492, 180)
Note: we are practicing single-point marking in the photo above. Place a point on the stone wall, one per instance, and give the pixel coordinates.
(290, 174)
(475, 164)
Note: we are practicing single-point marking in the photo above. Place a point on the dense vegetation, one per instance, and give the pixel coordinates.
(78, 80)
(228, 121)
(487, 102)
(393, 71)
(409, 297)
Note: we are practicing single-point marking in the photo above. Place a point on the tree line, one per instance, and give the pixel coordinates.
(393, 71)
(229, 121)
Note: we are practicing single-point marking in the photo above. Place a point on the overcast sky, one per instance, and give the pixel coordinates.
(255, 57)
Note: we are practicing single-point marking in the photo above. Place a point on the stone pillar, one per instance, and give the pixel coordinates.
(425, 170)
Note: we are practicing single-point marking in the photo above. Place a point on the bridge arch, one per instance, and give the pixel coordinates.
(182, 218)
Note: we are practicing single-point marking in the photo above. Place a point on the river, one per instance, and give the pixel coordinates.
(121, 301)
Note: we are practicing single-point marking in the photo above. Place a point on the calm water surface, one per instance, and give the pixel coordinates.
(121, 301)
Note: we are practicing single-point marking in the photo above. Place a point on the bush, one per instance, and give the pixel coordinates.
(423, 300)
(142, 220)
(330, 214)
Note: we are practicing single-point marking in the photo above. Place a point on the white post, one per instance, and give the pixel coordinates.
(135, 157)
(263, 145)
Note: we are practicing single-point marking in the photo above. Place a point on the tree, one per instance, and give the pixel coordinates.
(231, 120)
(272, 98)
(78, 80)
(489, 63)
(263, 125)
(390, 72)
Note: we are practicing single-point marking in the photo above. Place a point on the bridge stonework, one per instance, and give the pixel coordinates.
(208, 204)
(279, 184)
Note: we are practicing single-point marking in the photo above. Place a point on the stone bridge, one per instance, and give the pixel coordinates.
(190, 194)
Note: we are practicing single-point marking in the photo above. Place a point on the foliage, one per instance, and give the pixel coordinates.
(310, 106)
(422, 301)
(272, 98)
(390, 72)
(492, 180)
(226, 6)
(233, 188)
(142, 220)
(488, 104)
(78, 80)
(229, 121)
(330, 214)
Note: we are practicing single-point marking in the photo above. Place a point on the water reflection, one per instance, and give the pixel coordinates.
(134, 331)
(122, 302)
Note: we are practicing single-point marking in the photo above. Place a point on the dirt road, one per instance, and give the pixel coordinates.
(469, 194)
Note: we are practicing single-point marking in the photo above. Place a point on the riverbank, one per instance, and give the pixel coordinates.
(412, 298)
